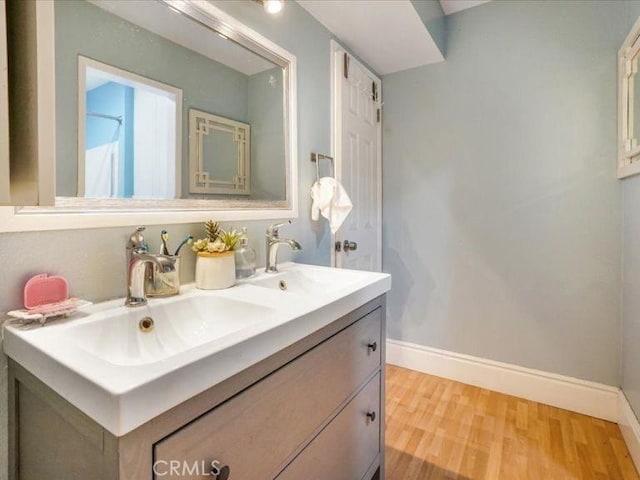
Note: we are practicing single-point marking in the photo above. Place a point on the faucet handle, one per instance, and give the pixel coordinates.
(136, 240)
(272, 231)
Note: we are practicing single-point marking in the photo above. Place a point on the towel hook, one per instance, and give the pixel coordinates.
(316, 157)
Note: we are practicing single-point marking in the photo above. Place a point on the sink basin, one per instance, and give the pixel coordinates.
(148, 334)
(310, 280)
(121, 377)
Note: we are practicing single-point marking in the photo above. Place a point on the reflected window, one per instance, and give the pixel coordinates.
(131, 144)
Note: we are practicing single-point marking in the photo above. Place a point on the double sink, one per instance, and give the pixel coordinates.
(124, 366)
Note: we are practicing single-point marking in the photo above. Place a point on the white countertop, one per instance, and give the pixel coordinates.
(121, 397)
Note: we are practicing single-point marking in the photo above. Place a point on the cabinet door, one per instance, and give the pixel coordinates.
(27, 103)
(348, 446)
(257, 432)
(5, 185)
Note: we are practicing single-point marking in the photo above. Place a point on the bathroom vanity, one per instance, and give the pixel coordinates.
(297, 393)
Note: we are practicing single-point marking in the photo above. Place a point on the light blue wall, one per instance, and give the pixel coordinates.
(631, 278)
(107, 99)
(265, 114)
(93, 260)
(502, 213)
(631, 293)
(115, 100)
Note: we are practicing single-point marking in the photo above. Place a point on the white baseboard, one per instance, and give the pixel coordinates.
(589, 398)
(630, 429)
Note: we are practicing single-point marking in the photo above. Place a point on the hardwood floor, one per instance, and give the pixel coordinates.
(441, 429)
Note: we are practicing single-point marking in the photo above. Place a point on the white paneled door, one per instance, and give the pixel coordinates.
(356, 124)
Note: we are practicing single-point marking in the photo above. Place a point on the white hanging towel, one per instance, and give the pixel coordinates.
(331, 201)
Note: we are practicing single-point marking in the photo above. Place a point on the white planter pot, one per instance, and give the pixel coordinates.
(215, 270)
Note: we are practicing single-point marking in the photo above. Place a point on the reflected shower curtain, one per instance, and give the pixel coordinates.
(154, 146)
(101, 171)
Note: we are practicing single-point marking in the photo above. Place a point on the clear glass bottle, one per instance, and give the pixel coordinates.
(245, 258)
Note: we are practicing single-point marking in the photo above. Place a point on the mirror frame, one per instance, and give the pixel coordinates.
(628, 153)
(78, 213)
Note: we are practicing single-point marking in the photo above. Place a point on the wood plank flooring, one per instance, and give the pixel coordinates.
(441, 429)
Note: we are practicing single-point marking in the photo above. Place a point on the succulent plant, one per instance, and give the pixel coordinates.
(230, 238)
(199, 245)
(218, 240)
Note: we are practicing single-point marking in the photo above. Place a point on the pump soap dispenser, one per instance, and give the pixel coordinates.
(245, 258)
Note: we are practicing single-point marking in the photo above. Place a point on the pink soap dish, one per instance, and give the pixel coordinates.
(46, 297)
(43, 313)
(44, 290)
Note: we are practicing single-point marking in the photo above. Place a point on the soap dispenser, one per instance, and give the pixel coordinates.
(245, 258)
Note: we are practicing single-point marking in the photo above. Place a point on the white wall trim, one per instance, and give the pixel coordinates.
(630, 428)
(590, 398)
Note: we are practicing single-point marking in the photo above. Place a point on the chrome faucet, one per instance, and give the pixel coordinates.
(137, 259)
(273, 241)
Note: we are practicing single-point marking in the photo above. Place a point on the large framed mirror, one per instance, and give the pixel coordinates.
(127, 75)
(629, 105)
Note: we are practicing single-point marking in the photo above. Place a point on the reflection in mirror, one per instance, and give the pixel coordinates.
(634, 104)
(165, 64)
(219, 154)
(127, 144)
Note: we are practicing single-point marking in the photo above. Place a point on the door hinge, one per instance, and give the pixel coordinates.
(374, 91)
(345, 69)
(378, 114)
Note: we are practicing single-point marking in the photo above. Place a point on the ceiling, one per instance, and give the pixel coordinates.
(453, 6)
(389, 35)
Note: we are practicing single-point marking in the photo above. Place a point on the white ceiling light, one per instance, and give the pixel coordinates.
(273, 6)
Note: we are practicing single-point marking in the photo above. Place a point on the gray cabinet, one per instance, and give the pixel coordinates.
(312, 410)
(348, 447)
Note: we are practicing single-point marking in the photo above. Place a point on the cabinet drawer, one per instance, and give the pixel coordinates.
(347, 447)
(257, 431)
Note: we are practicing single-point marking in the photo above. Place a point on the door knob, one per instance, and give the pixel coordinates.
(371, 416)
(347, 245)
(221, 473)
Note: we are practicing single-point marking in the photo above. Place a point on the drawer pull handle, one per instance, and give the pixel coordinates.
(371, 416)
(221, 473)
(373, 346)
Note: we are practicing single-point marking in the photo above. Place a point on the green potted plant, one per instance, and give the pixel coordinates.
(215, 262)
